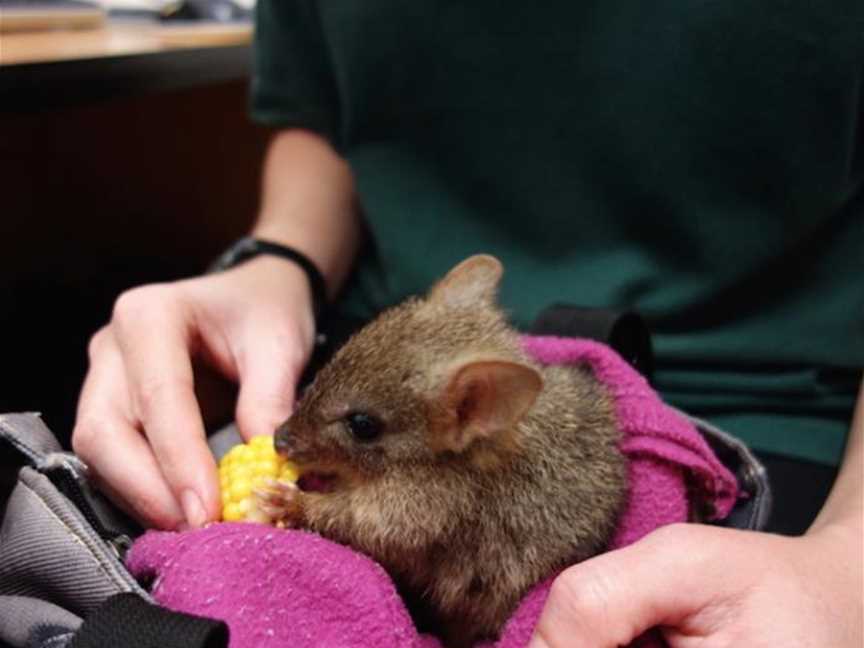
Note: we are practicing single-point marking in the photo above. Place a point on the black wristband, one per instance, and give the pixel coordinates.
(249, 247)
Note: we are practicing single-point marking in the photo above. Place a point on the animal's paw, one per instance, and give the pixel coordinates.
(277, 503)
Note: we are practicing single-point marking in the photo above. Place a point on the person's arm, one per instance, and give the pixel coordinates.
(308, 202)
(139, 425)
(843, 508)
(715, 587)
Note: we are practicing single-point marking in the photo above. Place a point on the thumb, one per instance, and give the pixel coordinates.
(268, 371)
(613, 598)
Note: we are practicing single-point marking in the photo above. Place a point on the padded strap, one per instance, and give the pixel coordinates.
(625, 331)
(129, 620)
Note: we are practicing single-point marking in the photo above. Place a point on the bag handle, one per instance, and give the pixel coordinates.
(128, 620)
(624, 331)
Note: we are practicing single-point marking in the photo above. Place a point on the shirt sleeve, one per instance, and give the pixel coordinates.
(292, 83)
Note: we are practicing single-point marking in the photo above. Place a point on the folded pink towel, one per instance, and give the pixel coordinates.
(279, 588)
(660, 443)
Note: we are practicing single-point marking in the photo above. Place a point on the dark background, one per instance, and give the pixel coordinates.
(101, 193)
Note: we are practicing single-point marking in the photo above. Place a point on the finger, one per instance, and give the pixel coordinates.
(153, 334)
(609, 600)
(113, 449)
(269, 367)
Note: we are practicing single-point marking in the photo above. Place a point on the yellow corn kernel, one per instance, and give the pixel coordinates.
(288, 472)
(246, 467)
(231, 512)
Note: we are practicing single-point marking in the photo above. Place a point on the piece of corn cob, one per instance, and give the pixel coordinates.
(245, 467)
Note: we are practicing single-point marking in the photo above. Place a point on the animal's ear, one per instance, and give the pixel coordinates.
(482, 399)
(474, 280)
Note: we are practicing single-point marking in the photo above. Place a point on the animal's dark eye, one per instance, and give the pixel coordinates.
(363, 427)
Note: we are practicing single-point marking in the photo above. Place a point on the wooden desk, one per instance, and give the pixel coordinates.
(117, 39)
(58, 68)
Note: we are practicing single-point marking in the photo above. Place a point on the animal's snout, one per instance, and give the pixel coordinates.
(282, 440)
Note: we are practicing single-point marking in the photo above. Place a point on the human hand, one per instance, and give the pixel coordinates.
(139, 425)
(712, 587)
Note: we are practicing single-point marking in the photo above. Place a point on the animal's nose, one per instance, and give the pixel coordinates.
(281, 440)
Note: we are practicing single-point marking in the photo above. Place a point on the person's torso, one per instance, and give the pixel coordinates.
(699, 162)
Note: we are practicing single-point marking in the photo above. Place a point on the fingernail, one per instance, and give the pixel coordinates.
(192, 508)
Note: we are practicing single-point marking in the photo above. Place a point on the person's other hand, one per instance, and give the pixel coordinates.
(710, 587)
(139, 425)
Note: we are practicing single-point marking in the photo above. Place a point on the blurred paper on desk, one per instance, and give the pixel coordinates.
(211, 11)
(155, 6)
(40, 15)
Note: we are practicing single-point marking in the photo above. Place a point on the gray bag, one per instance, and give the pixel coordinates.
(62, 578)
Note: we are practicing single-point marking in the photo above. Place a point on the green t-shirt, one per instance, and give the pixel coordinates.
(699, 162)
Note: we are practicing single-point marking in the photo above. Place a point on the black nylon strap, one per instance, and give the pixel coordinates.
(249, 247)
(129, 620)
(624, 331)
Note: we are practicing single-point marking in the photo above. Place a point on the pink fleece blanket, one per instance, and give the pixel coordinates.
(278, 588)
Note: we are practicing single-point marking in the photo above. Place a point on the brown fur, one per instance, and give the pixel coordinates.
(479, 487)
